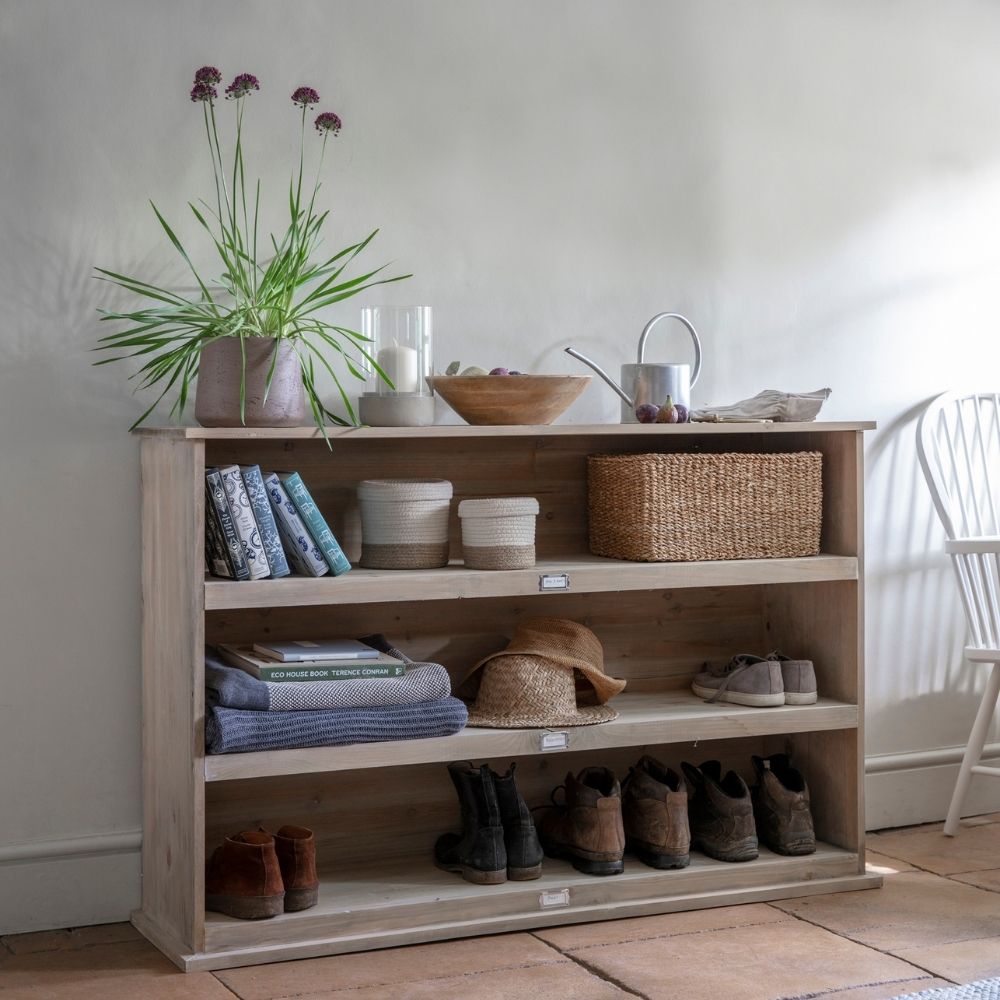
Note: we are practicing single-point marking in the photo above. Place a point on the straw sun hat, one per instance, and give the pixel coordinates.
(533, 682)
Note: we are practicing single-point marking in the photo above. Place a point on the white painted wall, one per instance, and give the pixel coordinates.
(815, 183)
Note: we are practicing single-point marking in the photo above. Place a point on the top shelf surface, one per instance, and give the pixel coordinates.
(508, 430)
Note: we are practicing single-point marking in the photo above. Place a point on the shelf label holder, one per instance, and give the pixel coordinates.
(553, 581)
(553, 897)
(551, 740)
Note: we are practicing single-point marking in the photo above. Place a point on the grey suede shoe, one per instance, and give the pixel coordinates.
(798, 677)
(745, 680)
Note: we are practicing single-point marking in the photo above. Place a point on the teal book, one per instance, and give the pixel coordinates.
(318, 528)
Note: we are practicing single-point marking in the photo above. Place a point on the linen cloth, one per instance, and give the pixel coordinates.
(234, 730)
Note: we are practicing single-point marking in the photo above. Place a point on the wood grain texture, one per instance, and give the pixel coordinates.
(173, 688)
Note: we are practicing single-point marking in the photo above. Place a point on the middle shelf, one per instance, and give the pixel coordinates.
(586, 573)
(644, 719)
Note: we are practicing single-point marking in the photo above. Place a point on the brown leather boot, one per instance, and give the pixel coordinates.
(655, 814)
(296, 850)
(587, 828)
(243, 879)
(781, 806)
(720, 813)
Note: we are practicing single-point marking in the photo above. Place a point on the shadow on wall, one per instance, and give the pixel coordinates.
(917, 677)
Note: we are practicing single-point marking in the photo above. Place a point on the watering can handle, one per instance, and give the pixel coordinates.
(696, 371)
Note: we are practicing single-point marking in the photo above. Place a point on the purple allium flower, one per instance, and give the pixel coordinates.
(203, 91)
(242, 85)
(305, 96)
(208, 74)
(328, 123)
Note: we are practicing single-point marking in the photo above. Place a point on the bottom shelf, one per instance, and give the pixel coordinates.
(408, 901)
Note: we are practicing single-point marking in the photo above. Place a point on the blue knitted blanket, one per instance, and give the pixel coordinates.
(231, 687)
(234, 730)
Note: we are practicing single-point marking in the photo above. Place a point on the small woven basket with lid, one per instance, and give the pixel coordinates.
(404, 523)
(499, 533)
(693, 507)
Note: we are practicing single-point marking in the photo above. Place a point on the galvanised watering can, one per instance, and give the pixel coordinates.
(649, 381)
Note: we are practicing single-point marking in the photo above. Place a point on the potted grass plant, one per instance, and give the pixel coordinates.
(252, 336)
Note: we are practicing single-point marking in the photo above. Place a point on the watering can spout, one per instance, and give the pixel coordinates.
(572, 352)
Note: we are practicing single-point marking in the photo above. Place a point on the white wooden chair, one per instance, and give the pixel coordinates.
(958, 444)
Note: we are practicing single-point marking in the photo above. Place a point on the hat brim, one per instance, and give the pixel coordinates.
(590, 716)
(605, 687)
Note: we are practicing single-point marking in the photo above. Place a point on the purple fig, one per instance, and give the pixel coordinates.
(683, 413)
(646, 413)
(667, 414)
(513, 372)
(500, 371)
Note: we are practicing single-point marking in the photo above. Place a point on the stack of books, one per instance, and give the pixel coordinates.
(260, 525)
(312, 660)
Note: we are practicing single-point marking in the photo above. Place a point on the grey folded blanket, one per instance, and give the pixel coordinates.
(233, 730)
(230, 687)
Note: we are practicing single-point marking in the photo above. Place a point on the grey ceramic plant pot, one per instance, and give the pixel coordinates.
(217, 400)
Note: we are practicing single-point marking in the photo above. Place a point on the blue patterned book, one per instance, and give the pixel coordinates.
(216, 495)
(246, 524)
(261, 507)
(315, 522)
(303, 552)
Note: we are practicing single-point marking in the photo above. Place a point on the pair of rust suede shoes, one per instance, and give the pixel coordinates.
(660, 816)
(255, 874)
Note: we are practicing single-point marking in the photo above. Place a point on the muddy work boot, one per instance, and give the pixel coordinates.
(477, 853)
(745, 680)
(243, 878)
(720, 813)
(655, 815)
(296, 850)
(524, 852)
(781, 806)
(586, 828)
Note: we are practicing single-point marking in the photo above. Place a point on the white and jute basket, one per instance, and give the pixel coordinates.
(404, 523)
(499, 533)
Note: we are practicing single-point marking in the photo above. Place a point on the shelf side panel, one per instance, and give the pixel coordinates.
(172, 689)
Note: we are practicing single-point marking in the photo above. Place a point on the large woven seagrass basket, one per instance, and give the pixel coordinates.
(692, 507)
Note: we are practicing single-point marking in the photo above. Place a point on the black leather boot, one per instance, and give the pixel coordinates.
(524, 851)
(478, 852)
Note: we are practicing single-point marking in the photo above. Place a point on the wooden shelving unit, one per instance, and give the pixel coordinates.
(377, 808)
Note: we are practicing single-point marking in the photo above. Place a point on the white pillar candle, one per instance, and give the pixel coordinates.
(400, 364)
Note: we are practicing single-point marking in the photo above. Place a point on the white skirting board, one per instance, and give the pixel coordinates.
(96, 879)
(69, 883)
(909, 788)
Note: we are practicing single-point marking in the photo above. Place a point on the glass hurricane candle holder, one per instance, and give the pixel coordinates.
(400, 339)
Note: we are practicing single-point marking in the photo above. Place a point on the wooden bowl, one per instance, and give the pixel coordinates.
(508, 399)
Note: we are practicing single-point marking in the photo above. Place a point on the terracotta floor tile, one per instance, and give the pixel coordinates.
(962, 961)
(974, 848)
(882, 864)
(665, 925)
(886, 991)
(387, 968)
(911, 910)
(129, 971)
(564, 981)
(984, 880)
(74, 937)
(755, 962)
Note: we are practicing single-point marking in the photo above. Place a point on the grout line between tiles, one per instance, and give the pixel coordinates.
(834, 990)
(871, 947)
(594, 970)
(226, 986)
(399, 985)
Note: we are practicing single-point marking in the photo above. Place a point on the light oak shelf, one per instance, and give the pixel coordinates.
(644, 719)
(408, 900)
(587, 574)
(376, 808)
